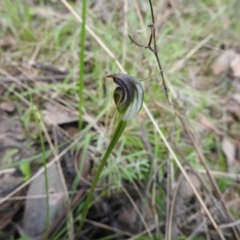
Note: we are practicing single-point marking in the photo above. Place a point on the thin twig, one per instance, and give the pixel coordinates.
(219, 174)
(229, 225)
(33, 79)
(48, 68)
(38, 196)
(172, 207)
(152, 40)
(139, 14)
(125, 30)
(137, 236)
(104, 226)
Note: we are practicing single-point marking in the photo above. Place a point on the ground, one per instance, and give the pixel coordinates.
(174, 171)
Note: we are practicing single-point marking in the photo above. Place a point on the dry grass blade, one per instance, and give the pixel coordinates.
(108, 228)
(229, 225)
(220, 174)
(33, 79)
(70, 216)
(179, 65)
(145, 231)
(169, 233)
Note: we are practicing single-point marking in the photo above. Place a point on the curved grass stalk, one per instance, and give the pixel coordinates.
(117, 134)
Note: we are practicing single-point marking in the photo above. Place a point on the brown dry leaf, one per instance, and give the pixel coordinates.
(208, 124)
(238, 152)
(11, 128)
(197, 81)
(7, 106)
(235, 66)
(13, 149)
(183, 202)
(184, 189)
(54, 115)
(8, 43)
(193, 71)
(236, 97)
(236, 86)
(9, 180)
(235, 109)
(222, 63)
(11, 141)
(229, 150)
(35, 214)
(227, 60)
(129, 219)
(82, 165)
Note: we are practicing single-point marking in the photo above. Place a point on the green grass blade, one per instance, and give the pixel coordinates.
(82, 51)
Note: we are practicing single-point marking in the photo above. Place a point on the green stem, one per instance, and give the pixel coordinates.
(82, 50)
(118, 132)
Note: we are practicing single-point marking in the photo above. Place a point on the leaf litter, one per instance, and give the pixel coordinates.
(35, 217)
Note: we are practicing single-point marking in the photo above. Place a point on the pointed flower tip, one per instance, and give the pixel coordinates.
(128, 96)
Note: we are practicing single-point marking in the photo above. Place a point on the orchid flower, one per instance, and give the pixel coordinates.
(128, 96)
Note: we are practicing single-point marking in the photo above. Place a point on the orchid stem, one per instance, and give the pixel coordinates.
(117, 134)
